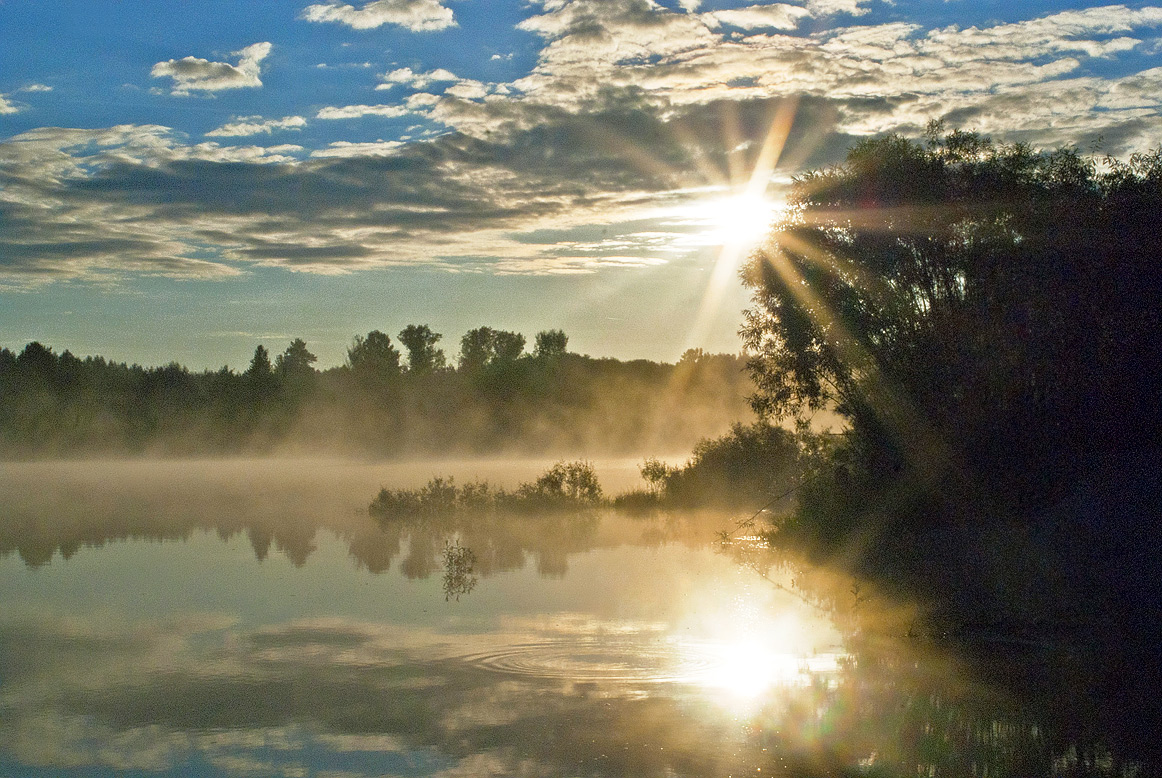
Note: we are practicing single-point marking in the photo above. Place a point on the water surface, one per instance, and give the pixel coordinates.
(249, 618)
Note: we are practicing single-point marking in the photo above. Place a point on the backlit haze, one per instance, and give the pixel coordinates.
(184, 181)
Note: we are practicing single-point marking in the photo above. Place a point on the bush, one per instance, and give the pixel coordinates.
(566, 485)
(751, 464)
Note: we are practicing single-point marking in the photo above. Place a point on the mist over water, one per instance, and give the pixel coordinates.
(248, 617)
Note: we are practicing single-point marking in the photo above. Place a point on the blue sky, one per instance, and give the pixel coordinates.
(185, 180)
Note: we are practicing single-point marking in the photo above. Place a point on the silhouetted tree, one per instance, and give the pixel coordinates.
(294, 371)
(977, 311)
(476, 348)
(260, 367)
(550, 344)
(373, 358)
(507, 346)
(420, 342)
(37, 360)
(294, 364)
(260, 378)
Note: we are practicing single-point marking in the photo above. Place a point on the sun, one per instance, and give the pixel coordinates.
(739, 220)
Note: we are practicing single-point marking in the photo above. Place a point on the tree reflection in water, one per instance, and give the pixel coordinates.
(624, 664)
(458, 566)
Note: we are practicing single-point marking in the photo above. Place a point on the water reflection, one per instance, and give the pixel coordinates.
(288, 634)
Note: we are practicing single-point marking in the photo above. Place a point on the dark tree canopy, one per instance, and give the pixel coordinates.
(551, 344)
(982, 305)
(420, 342)
(294, 364)
(260, 367)
(373, 357)
(507, 346)
(485, 346)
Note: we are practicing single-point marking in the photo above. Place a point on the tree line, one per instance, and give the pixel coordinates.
(390, 397)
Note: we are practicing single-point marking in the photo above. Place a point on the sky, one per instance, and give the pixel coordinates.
(182, 181)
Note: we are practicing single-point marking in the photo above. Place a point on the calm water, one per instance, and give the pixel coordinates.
(249, 619)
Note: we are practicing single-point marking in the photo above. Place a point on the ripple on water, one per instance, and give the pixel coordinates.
(596, 659)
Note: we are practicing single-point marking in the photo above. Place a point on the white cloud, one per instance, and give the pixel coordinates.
(628, 101)
(36, 88)
(468, 89)
(421, 100)
(410, 78)
(347, 149)
(243, 126)
(9, 107)
(832, 7)
(779, 16)
(414, 15)
(357, 111)
(194, 73)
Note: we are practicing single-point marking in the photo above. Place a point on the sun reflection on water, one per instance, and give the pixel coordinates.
(747, 648)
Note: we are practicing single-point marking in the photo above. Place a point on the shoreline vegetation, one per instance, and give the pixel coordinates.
(737, 470)
(493, 398)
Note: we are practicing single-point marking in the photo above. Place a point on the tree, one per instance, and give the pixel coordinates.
(420, 342)
(294, 364)
(476, 348)
(293, 367)
(485, 346)
(260, 367)
(978, 305)
(550, 344)
(507, 346)
(374, 358)
(260, 378)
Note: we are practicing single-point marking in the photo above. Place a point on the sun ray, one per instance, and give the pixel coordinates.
(753, 192)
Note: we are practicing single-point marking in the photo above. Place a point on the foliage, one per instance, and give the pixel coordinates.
(459, 564)
(59, 404)
(574, 482)
(373, 357)
(982, 314)
(564, 486)
(656, 473)
(296, 361)
(485, 346)
(420, 342)
(551, 344)
(749, 465)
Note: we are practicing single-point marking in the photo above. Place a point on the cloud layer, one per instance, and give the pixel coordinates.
(631, 108)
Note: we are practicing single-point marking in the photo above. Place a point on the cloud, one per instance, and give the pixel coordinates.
(618, 50)
(195, 74)
(832, 7)
(359, 111)
(344, 148)
(409, 78)
(778, 16)
(36, 88)
(414, 15)
(244, 126)
(629, 106)
(9, 107)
